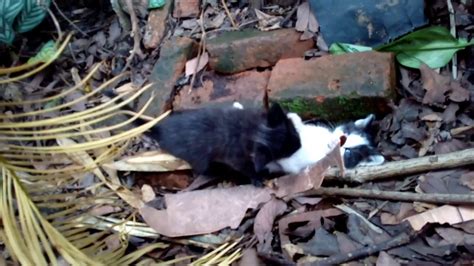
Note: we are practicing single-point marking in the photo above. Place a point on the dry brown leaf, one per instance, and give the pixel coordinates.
(449, 115)
(385, 259)
(453, 236)
(305, 19)
(444, 214)
(312, 177)
(467, 179)
(191, 64)
(406, 209)
(153, 161)
(438, 87)
(314, 221)
(267, 22)
(204, 211)
(450, 146)
(458, 93)
(263, 224)
(302, 17)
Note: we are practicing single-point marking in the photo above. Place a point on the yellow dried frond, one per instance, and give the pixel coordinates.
(41, 217)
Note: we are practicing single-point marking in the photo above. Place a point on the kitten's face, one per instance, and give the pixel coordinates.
(358, 148)
(277, 139)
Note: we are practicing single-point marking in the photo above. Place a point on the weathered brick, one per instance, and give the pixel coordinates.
(186, 8)
(246, 87)
(232, 52)
(173, 56)
(335, 87)
(156, 26)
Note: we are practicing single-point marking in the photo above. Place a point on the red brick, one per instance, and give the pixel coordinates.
(173, 56)
(186, 8)
(156, 26)
(348, 85)
(246, 87)
(237, 51)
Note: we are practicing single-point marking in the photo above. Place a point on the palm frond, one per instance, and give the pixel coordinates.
(46, 215)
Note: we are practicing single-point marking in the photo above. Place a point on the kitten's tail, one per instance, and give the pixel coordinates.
(154, 132)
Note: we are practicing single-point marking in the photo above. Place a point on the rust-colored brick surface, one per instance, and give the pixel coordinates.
(186, 8)
(156, 26)
(173, 56)
(247, 87)
(342, 86)
(237, 51)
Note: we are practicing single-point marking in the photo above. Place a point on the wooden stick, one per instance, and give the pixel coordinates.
(438, 198)
(405, 167)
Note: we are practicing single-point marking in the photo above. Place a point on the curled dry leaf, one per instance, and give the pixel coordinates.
(312, 177)
(204, 211)
(444, 214)
(193, 68)
(264, 223)
(154, 161)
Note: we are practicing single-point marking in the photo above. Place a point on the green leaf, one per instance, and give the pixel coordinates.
(152, 4)
(434, 46)
(32, 14)
(9, 9)
(6, 32)
(343, 48)
(45, 54)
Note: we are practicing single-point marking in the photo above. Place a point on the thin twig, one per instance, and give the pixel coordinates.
(56, 24)
(135, 33)
(68, 20)
(405, 167)
(437, 198)
(201, 50)
(452, 23)
(234, 25)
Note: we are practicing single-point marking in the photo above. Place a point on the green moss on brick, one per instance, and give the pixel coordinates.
(335, 109)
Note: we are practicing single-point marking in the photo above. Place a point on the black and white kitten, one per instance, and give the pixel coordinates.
(357, 149)
(216, 139)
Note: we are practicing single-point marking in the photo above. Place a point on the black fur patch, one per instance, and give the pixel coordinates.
(244, 140)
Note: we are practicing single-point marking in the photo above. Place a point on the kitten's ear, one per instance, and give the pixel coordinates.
(365, 123)
(276, 115)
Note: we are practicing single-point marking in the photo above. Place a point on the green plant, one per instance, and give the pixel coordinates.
(18, 16)
(433, 46)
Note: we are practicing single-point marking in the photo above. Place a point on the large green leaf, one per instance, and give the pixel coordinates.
(9, 9)
(32, 14)
(434, 46)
